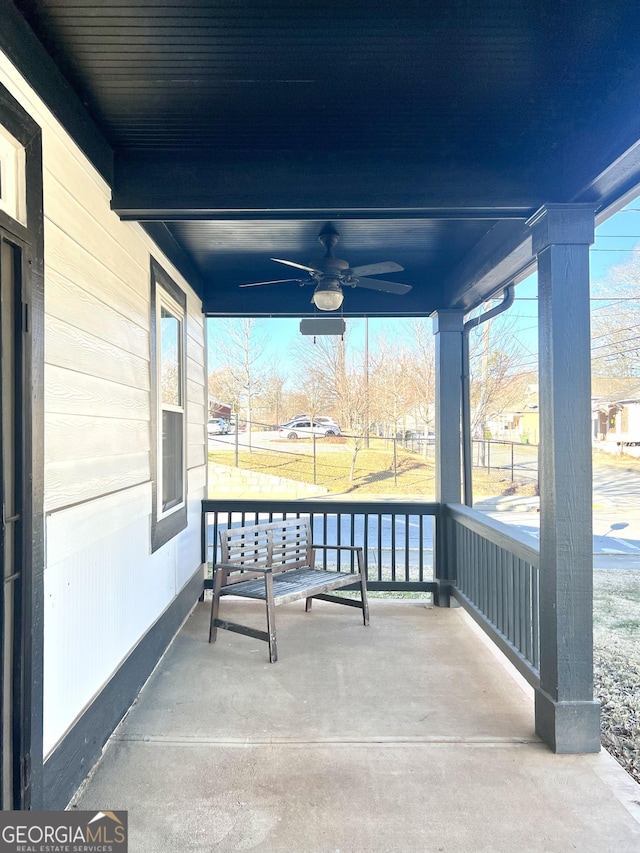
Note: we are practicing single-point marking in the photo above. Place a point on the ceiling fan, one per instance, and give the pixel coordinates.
(330, 274)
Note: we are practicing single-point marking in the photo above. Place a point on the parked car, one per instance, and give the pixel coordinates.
(320, 419)
(330, 422)
(217, 426)
(307, 429)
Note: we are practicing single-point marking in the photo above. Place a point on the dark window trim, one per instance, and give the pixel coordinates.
(164, 529)
(23, 128)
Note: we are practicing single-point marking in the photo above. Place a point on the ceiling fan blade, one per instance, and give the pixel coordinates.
(277, 281)
(386, 286)
(376, 269)
(297, 266)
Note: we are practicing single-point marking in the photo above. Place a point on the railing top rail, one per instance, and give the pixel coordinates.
(326, 506)
(521, 545)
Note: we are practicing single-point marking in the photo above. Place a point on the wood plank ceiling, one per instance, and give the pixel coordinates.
(426, 132)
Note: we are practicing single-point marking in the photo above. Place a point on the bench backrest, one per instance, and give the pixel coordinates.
(284, 545)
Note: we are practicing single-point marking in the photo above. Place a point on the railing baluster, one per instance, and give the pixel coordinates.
(393, 546)
(510, 598)
(379, 547)
(517, 607)
(365, 538)
(491, 583)
(407, 537)
(324, 539)
(524, 609)
(526, 648)
(535, 620)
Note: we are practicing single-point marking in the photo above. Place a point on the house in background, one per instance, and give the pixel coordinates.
(520, 422)
(219, 410)
(616, 414)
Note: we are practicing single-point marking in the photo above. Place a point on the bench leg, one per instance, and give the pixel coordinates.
(363, 588)
(218, 578)
(271, 617)
(307, 604)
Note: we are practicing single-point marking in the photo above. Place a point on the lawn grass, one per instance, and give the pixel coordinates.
(373, 475)
(623, 460)
(616, 623)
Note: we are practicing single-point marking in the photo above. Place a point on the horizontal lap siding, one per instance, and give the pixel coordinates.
(104, 588)
(82, 394)
(196, 409)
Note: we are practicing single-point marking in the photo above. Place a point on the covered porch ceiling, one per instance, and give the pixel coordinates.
(427, 133)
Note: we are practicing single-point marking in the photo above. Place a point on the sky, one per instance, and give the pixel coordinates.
(617, 240)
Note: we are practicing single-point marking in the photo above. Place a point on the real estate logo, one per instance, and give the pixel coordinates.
(63, 832)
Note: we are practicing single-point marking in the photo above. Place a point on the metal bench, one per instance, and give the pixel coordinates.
(275, 563)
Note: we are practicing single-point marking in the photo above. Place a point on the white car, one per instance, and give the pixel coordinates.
(319, 419)
(329, 422)
(306, 429)
(216, 426)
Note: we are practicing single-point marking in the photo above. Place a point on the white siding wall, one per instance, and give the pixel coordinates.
(634, 421)
(103, 587)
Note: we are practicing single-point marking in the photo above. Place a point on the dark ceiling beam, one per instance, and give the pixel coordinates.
(165, 240)
(19, 43)
(619, 179)
(503, 256)
(602, 157)
(189, 186)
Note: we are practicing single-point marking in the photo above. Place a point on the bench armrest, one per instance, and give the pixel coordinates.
(239, 567)
(338, 547)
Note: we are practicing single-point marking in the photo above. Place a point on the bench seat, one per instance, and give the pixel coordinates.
(275, 563)
(291, 586)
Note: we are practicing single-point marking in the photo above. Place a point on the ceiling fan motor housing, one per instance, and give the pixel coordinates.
(330, 266)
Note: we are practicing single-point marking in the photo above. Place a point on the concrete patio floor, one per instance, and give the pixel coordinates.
(408, 735)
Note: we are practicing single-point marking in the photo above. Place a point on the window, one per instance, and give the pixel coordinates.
(168, 352)
(13, 198)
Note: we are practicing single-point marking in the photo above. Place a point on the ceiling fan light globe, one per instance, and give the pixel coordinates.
(328, 299)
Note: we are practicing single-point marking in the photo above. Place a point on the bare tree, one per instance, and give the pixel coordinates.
(271, 402)
(391, 384)
(498, 378)
(243, 377)
(324, 365)
(615, 325)
(424, 371)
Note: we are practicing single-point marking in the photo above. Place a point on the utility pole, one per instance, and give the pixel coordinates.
(366, 381)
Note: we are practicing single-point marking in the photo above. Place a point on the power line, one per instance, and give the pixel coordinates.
(615, 343)
(617, 354)
(615, 331)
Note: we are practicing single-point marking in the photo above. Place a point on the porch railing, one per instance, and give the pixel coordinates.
(495, 575)
(397, 537)
(492, 570)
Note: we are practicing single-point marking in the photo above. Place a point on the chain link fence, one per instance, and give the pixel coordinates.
(373, 463)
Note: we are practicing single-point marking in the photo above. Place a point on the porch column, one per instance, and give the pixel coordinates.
(567, 717)
(448, 330)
